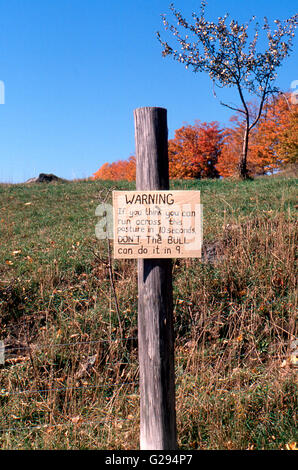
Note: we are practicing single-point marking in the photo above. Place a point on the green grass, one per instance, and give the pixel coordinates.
(234, 321)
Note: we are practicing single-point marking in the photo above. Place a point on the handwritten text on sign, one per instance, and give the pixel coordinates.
(157, 224)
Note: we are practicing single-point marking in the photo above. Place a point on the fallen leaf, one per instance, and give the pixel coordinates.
(59, 379)
(76, 419)
(292, 446)
(294, 359)
(49, 429)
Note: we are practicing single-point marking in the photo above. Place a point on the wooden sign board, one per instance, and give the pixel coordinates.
(157, 224)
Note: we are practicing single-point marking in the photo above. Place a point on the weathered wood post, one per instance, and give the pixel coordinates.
(155, 307)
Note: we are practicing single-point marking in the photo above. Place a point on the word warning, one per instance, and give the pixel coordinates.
(157, 224)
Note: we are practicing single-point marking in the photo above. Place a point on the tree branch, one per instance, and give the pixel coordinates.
(261, 105)
(234, 109)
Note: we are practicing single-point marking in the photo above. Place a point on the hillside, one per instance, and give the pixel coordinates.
(70, 379)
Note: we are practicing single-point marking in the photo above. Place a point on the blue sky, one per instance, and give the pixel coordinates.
(74, 71)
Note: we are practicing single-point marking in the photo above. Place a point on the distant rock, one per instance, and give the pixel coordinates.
(44, 178)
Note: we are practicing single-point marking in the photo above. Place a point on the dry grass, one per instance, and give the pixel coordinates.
(73, 383)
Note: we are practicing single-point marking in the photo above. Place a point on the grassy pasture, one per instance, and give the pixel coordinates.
(70, 379)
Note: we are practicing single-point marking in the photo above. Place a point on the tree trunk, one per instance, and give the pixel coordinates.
(243, 171)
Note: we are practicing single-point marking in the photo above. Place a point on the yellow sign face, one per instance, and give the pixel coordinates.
(157, 224)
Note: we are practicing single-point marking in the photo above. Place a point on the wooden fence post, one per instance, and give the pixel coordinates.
(155, 305)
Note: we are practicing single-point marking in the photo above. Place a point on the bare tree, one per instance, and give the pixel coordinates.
(229, 54)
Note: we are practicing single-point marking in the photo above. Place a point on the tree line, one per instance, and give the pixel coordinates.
(206, 150)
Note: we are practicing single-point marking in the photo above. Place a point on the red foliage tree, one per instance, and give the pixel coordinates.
(194, 151)
(203, 150)
(116, 171)
(273, 143)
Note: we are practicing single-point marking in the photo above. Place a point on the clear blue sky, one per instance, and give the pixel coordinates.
(74, 71)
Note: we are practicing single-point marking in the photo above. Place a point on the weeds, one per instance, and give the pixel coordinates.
(68, 318)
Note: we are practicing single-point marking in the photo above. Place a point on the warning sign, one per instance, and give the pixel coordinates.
(157, 224)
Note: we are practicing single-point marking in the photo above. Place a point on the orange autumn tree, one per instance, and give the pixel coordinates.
(276, 139)
(227, 165)
(116, 171)
(273, 143)
(194, 151)
(288, 143)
